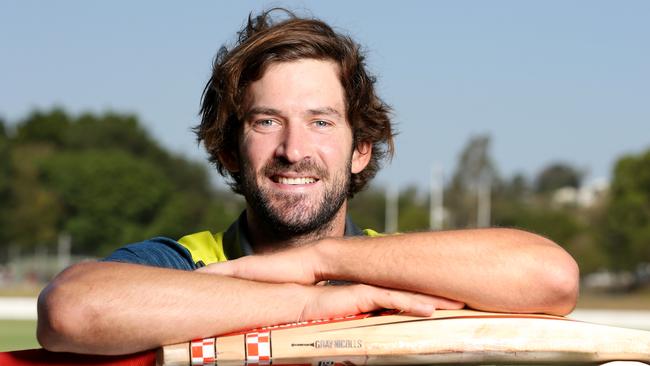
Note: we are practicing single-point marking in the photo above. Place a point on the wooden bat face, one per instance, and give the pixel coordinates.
(448, 337)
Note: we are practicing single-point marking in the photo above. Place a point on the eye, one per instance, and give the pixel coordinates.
(322, 124)
(265, 123)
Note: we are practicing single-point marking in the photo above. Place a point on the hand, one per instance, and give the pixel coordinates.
(335, 301)
(294, 265)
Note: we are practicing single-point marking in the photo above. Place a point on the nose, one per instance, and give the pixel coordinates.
(295, 144)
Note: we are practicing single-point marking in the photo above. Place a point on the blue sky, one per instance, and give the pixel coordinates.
(548, 80)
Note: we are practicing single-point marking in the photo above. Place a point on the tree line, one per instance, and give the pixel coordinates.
(102, 180)
(612, 232)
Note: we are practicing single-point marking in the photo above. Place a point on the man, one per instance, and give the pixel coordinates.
(291, 116)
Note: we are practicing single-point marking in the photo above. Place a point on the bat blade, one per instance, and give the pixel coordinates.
(448, 337)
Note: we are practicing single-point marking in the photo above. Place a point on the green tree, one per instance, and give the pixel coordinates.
(625, 232)
(475, 163)
(368, 209)
(413, 211)
(5, 173)
(515, 189)
(105, 181)
(188, 212)
(123, 132)
(44, 128)
(558, 175)
(5, 161)
(113, 131)
(475, 168)
(517, 204)
(34, 209)
(221, 210)
(559, 225)
(108, 197)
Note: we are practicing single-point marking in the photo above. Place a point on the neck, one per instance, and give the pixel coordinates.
(265, 238)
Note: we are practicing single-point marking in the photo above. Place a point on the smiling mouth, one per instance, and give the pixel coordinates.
(294, 181)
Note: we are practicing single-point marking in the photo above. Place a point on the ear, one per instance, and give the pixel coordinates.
(229, 160)
(361, 156)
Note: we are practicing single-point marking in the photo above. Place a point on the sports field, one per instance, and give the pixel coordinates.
(17, 334)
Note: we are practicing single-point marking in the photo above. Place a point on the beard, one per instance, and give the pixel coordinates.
(291, 214)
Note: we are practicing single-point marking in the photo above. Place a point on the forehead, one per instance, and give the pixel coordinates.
(298, 85)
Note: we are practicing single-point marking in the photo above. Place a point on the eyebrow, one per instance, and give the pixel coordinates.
(275, 112)
(325, 110)
(262, 110)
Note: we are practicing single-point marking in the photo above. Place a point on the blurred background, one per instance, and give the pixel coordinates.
(532, 115)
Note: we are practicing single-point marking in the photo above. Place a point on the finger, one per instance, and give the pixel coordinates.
(447, 304)
(221, 268)
(404, 301)
(440, 302)
(419, 309)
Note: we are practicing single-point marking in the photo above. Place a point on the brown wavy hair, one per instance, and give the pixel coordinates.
(264, 41)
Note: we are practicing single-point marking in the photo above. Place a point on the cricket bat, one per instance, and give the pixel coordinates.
(447, 337)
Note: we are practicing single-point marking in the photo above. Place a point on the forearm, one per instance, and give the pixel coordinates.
(117, 308)
(488, 269)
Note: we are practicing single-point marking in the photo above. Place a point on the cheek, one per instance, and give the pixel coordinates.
(335, 152)
(253, 153)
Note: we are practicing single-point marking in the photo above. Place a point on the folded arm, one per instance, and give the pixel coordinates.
(488, 269)
(120, 308)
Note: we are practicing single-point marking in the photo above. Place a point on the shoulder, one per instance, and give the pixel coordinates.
(204, 247)
(159, 252)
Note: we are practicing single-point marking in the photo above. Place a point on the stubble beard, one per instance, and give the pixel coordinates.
(291, 215)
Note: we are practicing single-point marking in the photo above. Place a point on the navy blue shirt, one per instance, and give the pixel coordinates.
(158, 252)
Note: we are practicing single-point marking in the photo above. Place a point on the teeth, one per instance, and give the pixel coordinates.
(283, 180)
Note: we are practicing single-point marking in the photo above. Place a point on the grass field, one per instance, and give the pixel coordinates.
(637, 300)
(17, 334)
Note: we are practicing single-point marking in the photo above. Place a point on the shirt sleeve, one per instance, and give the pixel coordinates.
(158, 252)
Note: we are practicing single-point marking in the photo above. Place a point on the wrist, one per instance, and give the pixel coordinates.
(301, 298)
(325, 266)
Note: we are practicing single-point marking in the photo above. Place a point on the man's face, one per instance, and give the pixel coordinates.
(295, 154)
